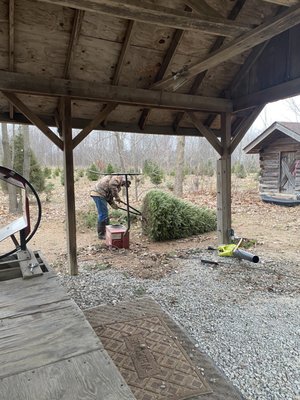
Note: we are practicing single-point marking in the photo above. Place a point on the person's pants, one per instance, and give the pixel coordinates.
(102, 208)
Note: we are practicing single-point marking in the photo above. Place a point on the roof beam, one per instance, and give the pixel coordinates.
(100, 117)
(75, 33)
(40, 85)
(76, 29)
(242, 129)
(207, 133)
(124, 52)
(287, 3)
(33, 118)
(147, 12)
(163, 69)
(273, 93)
(80, 123)
(217, 44)
(117, 74)
(201, 7)
(273, 27)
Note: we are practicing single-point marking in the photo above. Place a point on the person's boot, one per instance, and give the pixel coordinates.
(101, 229)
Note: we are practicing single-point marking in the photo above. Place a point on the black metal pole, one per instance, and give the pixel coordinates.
(127, 202)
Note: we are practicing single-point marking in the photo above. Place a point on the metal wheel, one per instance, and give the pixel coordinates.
(26, 232)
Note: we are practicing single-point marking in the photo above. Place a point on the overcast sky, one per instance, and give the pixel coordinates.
(282, 111)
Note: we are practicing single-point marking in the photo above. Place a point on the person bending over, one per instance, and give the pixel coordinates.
(107, 190)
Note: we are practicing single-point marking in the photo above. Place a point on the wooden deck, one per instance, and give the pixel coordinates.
(48, 350)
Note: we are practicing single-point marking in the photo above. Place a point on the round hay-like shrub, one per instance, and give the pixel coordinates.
(166, 217)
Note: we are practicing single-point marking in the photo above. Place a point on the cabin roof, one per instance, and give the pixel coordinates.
(275, 131)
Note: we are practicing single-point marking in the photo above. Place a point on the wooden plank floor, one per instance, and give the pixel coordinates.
(48, 350)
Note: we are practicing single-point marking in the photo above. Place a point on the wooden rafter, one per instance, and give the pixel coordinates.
(11, 44)
(75, 33)
(117, 74)
(16, 102)
(203, 8)
(130, 127)
(163, 69)
(146, 12)
(273, 27)
(287, 3)
(40, 85)
(100, 117)
(207, 133)
(242, 129)
(123, 53)
(76, 29)
(248, 64)
(217, 44)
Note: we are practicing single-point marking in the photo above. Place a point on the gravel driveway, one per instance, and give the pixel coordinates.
(245, 316)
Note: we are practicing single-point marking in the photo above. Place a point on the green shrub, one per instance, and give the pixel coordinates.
(36, 175)
(92, 173)
(62, 179)
(110, 169)
(239, 170)
(80, 173)
(208, 169)
(56, 172)
(88, 218)
(166, 217)
(47, 172)
(154, 172)
(170, 185)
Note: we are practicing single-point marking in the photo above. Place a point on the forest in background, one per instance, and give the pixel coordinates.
(129, 152)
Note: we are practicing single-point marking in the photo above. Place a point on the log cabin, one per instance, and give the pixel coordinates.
(279, 155)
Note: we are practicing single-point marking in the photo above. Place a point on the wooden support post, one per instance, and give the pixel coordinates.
(69, 187)
(224, 183)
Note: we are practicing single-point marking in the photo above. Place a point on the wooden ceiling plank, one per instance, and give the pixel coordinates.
(11, 44)
(77, 89)
(201, 7)
(273, 27)
(217, 44)
(147, 12)
(207, 133)
(178, 35)
(100, 117)
(13, 99)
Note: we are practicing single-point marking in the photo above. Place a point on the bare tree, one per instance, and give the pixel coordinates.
(179, 173)
(120, 148)
(26, 152)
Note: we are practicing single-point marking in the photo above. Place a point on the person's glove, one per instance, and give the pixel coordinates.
(114, 206)
(118, 200)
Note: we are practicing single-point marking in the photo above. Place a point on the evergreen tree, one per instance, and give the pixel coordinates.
(36, 175)
(92, 173)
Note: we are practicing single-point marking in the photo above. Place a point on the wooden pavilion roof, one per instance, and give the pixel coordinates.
(154, 66)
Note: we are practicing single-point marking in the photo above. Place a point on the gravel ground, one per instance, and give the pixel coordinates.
(244, 316)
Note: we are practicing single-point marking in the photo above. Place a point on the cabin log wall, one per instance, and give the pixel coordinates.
(270, 165)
